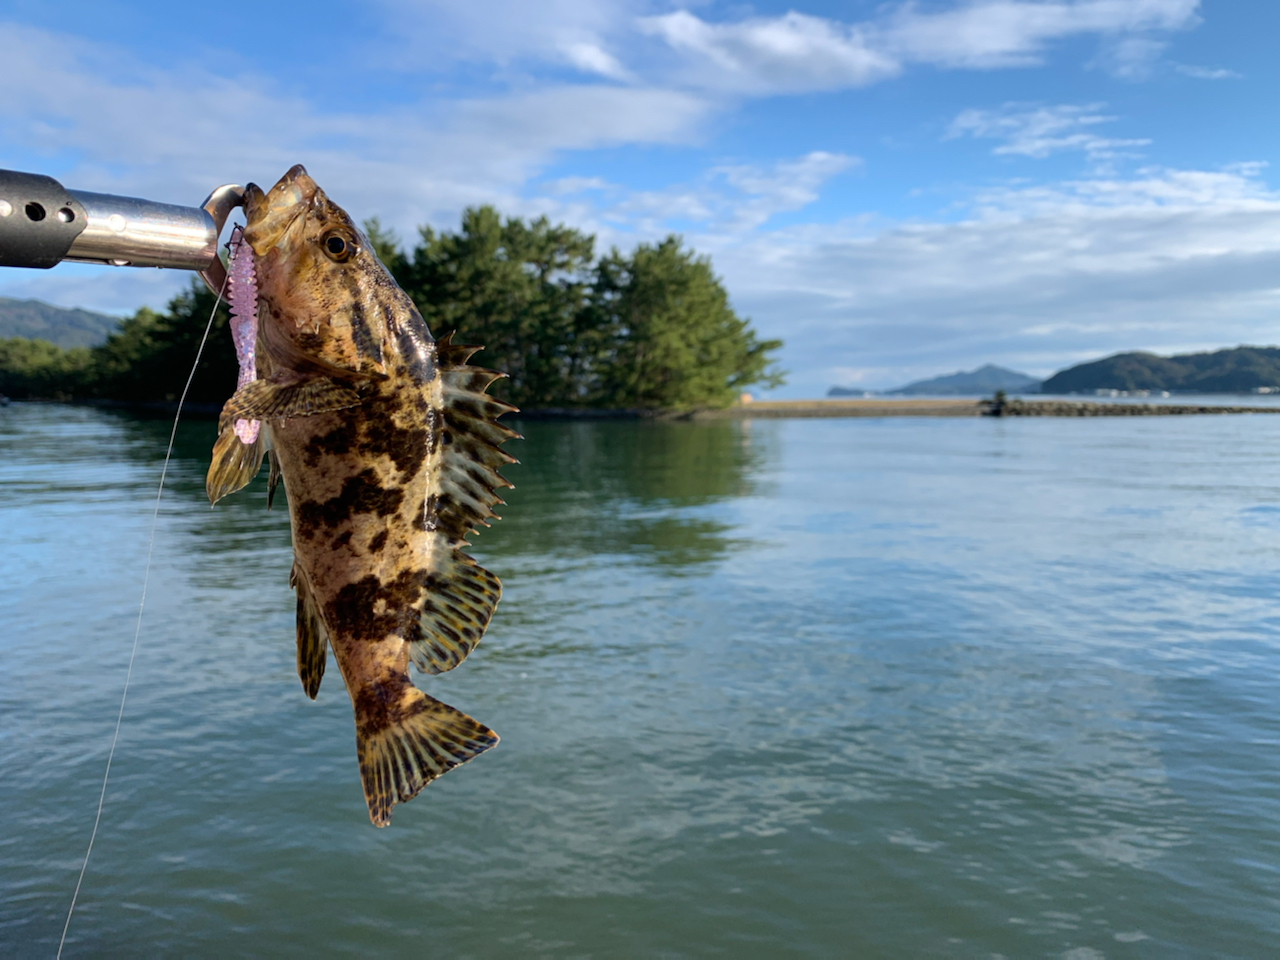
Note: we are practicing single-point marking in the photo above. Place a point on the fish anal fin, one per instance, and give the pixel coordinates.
(313, 638)
(458, 600)
(233, 464)
(405, 739)
(272, 400)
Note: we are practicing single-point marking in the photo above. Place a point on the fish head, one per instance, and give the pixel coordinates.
(318, 278)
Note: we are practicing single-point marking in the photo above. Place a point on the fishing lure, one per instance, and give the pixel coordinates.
(242, 295)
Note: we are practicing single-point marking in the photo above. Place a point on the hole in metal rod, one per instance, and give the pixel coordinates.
(35, 211)
(66, 214)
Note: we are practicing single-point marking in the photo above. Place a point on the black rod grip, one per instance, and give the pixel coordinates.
(39, 220)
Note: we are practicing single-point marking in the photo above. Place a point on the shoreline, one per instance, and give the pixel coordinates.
(790, 409)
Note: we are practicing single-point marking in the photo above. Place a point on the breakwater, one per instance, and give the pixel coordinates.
(770, 409)
(1085, 408)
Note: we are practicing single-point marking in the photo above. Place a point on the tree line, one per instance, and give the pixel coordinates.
(652, 329)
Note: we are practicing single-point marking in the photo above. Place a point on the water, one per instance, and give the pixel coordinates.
(899, 687)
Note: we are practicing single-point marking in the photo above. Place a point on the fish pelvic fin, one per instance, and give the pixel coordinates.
(269, 400)
(234, 462)
(405, 739)
(273, 476)
(313, 638)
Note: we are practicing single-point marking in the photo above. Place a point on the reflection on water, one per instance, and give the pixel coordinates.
(828, 688)
(646, 490)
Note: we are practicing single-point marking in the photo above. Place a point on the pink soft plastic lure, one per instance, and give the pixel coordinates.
(242, 294)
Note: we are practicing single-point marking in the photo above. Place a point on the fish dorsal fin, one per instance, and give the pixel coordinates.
(470, 441)
(460, 595)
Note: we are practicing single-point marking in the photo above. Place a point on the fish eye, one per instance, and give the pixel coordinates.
(337, 247)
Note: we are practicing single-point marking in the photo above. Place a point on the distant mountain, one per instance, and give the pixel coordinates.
(986, 379)
(1237, 370)
(37, 320)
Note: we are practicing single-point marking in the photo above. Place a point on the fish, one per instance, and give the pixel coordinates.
(389, 449)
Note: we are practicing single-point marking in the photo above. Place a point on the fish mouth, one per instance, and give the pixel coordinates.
(269, 215)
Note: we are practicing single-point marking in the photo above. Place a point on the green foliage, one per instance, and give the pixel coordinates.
(651, 330)
(148, 358)
(518, 288)
(35, 368)
(673, 341)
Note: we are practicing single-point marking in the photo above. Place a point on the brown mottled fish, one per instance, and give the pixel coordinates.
(389, 452)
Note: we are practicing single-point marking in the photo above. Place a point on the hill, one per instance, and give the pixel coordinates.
(986, 379)
(37, 320)
(1235, 370)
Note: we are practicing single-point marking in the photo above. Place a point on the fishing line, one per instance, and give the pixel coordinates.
(151, 541)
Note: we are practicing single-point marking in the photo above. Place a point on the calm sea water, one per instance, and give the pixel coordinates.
(900, 687)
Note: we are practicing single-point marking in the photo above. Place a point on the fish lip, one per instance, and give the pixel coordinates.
(269, 215)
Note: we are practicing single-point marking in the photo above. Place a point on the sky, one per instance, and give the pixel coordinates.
(896, 190)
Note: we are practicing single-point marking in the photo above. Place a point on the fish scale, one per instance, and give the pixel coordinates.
(389, 450)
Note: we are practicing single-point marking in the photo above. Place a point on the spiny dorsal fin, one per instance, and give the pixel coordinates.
(313, 639)
(455, 354)
(459, 595)
(406, 744)
(471, 436)
(233, 464)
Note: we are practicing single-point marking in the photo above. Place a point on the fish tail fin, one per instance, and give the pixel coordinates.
(405, 739)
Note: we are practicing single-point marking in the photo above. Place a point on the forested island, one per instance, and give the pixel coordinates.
(1235, 370)
(652, 329)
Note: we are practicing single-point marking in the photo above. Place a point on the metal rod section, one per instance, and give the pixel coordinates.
(42, 223)
(128, 232)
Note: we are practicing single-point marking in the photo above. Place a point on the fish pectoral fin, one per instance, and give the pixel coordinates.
(271, 400)
(234, 463)
(457, 602)
(404, 745)
(313, 638)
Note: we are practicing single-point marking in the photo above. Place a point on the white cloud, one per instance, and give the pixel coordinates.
(729, 200)
(1031, 130)
(1208, 73)
(99, 119)
(792, 52)
(179, 133)
(800, 52)
(591, 58)
(431, 35)
(1034, 279)
(999, 33)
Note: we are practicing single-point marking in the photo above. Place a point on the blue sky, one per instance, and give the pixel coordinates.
(895, 189)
